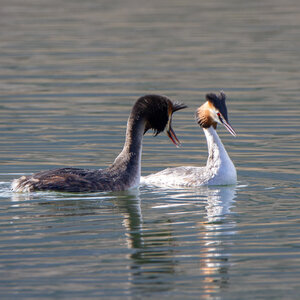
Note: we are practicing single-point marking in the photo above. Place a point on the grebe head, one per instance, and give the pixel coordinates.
(214, 111)
(157, 111)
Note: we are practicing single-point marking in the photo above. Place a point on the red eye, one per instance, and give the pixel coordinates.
(220, 117)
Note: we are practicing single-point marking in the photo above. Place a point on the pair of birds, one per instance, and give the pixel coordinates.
(149, 112)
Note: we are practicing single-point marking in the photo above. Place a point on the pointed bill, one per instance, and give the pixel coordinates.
(227, 125)
(229, 128)
(171, 134)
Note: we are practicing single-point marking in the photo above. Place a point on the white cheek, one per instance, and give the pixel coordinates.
(214, 115)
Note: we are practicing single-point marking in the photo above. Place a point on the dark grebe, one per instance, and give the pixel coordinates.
(149, 112)
(219, 169)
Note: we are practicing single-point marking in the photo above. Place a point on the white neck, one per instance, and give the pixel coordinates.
(219, 164)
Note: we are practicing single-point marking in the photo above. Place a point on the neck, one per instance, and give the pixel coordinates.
(218, 161)
(127, 165)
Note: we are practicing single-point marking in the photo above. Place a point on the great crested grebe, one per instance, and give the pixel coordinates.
(219, 169)
(149, 112)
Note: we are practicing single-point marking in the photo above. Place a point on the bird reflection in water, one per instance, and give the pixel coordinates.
(216, 235)
(152, 248)
(159, 251)
(169, 234)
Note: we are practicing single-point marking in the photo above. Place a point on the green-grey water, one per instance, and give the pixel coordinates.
(70, 72)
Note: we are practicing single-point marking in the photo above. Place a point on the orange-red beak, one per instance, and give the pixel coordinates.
(171, 134)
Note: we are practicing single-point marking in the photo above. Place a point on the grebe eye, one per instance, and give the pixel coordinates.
(220, 117)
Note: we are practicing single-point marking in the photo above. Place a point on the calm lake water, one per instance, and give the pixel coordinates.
(70, 72)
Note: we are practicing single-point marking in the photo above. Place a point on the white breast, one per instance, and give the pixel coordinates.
(219, 169)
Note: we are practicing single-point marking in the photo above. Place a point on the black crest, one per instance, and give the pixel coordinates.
(219, 102)
(154, 108)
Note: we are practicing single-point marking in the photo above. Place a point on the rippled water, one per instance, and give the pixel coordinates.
(69, 74)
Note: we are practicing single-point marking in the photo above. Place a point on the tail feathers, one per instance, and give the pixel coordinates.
(23, 184)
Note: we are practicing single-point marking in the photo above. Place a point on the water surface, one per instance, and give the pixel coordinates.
(69, 75)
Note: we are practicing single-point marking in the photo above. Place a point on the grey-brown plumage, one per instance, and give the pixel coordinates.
(149, 112)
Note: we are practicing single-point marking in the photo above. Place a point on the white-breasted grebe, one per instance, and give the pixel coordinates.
(219, 169)
(149, 112)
